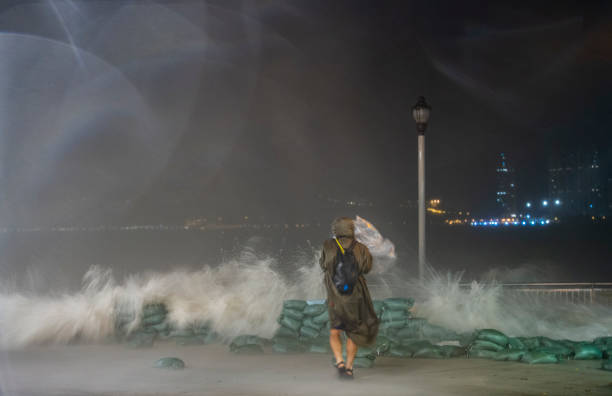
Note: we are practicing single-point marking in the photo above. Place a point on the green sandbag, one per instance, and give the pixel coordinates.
(154, 309)
(393, 315)
(417, 345)
(484, 345)
(249, 350)
(431, 352)
(510, 356)
(290, 323)
(482, 354)
(308, 332)
(141, 340)
(603, 341)
(452, 351)
(516, 344)
(188, 332)
(161, 327)
(530, 342)
(153, 320)
(321, 318)
(364, 352)
(319, 349)
(396, 324)
(381, 340)
(606, 365)
(286, 332)
(536, 357)
(399, 351)
(403, 304)
(310, 323)
(170, 363)
(587, 352)
(363, 363)
(294, 304)
(492, 335)
(561, 351)
(315, 309)
(193, 340)
(293, 314)
(378, 306)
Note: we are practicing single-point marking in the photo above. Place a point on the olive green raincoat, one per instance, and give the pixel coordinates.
(355, 312)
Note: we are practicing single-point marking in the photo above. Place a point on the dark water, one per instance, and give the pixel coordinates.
(48, 260)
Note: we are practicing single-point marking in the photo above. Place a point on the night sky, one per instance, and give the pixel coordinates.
(116, 109)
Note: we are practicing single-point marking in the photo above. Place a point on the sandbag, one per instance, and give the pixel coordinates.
(154, 309)
(587, 352)
(308, 322)
(169, 363)
(603, 341)
(321, 318)
(493, 336)
(393, 315)
(153, 319)
(293, 314)
(399, 351)
(481, 354)
(510, 356)
(290, 323)
(561, 351)
(403, 304)
(315, 309)
(430, 352)
(363, 363)
(187, 332)
(606, 365)
(516, 344)
(163, 327)
(298, 305)
(452, 351)
(308, 332)
(536, 357)
(378, 307)
(415, 346)
(286, 332)
(486, 346)
(530, 342)
(364, 352)
(247, 344)
(396, 324)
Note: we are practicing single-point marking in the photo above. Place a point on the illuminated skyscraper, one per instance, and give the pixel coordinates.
(506, 186)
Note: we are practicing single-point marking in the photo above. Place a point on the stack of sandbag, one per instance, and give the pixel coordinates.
(493, 344)
(605, 343)
(248, 345)
(287, 337)
(394, 313)
(152, 323)
(314, 333)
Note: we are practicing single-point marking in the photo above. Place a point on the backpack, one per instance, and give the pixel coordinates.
(346, 270)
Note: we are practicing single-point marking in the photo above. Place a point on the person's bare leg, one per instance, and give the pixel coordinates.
(336, 344)
(351, 351)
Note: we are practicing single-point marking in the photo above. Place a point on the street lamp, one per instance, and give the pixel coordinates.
(421, 112)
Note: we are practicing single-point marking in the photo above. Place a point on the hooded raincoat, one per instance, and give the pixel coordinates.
(352, 313)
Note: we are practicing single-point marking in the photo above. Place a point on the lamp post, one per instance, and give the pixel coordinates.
(420, 112)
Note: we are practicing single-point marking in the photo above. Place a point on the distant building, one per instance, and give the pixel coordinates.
(505, 194)
(576, 180)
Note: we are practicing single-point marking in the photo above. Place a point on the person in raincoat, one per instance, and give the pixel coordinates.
(353, 313)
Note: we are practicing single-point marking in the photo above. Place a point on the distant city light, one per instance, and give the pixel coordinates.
(528, 216)
(590, 205)
(528, 204)
(557, 202)
(545, 203)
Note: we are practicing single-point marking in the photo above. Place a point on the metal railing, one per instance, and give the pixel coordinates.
(576, 293)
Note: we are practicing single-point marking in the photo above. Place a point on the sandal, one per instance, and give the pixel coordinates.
(348, 374)
(341, 369)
